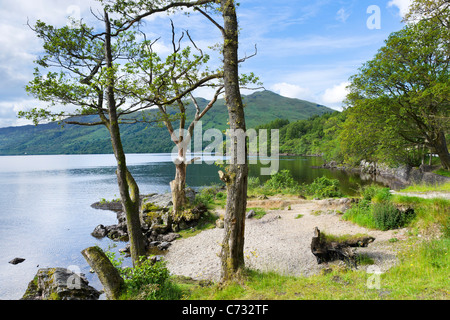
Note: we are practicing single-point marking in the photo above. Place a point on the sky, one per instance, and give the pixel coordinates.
(305, 49)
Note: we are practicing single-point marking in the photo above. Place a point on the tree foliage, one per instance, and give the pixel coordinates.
(400, 100)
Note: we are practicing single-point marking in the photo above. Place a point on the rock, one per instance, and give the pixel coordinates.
(155, 243)
(164, 245)
(60, 284)
(17, 261)
(250, 214)
(159, 200)
(220, 223)
(115, 205)
(99, 231)
(117, 232)
(170, 237)
(190, 195)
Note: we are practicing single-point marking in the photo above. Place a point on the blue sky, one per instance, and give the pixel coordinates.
(306, 49)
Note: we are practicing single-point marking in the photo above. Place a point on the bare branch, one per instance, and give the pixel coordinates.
(222, 30)
(248, 57)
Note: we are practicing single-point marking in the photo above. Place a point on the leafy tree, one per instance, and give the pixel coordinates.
(236, 174)
(86, 77)
(155, 82)
(429, 9)
(399, 100)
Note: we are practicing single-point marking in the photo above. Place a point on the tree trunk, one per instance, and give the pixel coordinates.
(178, 187)
(440, 146)
(108, 275)
(232, 253)
(129, 191)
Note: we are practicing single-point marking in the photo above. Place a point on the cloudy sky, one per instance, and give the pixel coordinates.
(306, 49)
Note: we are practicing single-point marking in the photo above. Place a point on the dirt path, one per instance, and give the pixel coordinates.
(280, 241)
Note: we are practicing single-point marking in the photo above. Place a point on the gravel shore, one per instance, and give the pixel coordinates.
(280, 241)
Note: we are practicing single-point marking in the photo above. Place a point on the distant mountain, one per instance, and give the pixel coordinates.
(260, 108)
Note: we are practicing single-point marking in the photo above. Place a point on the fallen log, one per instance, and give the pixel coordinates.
(108, 275)
(327, 251)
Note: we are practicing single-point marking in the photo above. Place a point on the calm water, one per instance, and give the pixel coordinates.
(45, 213)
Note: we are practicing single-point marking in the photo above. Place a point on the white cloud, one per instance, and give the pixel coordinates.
(335, 95)
(291, 91)
(402, 5)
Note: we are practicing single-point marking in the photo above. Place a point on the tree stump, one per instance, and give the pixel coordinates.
(327, 251)
(109, 276)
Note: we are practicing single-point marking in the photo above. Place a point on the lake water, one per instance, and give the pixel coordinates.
(45, 213)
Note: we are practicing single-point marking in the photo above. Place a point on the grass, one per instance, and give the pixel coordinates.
(259, 212)
(427, 188)
(207, 221)
(442, 172)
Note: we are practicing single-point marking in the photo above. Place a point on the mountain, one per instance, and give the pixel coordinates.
(260, 108)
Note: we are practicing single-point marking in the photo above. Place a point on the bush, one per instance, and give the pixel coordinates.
(208, 195)
(324, 188)
(375, 193)
(386, 216)
(149, 281)
(253, 182)
(282, 180)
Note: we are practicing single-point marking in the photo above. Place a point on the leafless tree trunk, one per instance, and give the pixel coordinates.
(236, 175)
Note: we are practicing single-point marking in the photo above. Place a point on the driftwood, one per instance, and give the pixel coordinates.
(326, 251)
(108, 275)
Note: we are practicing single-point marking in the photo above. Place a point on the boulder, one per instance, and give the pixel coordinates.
(59, 284)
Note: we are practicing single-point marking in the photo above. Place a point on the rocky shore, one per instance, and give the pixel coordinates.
(158, 225)
(396, 178)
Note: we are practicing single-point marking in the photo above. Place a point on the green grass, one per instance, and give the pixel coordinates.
(442, 172)
(259, 212)
(427, 188)
(207, 221)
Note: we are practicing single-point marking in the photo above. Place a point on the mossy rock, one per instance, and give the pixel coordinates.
(59, 284)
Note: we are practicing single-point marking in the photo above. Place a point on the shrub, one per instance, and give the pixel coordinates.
(146, 273)
(386, 216)
(207, 195)
(324, 188)
(253, 182)
(282, 180)
(375, 193)
(149, 281)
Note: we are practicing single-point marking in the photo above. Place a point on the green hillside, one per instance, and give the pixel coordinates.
(260, 107)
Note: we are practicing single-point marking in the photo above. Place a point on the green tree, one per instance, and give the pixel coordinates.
(83, 74)
(236, 175)
(429, 9)
(399, 100)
